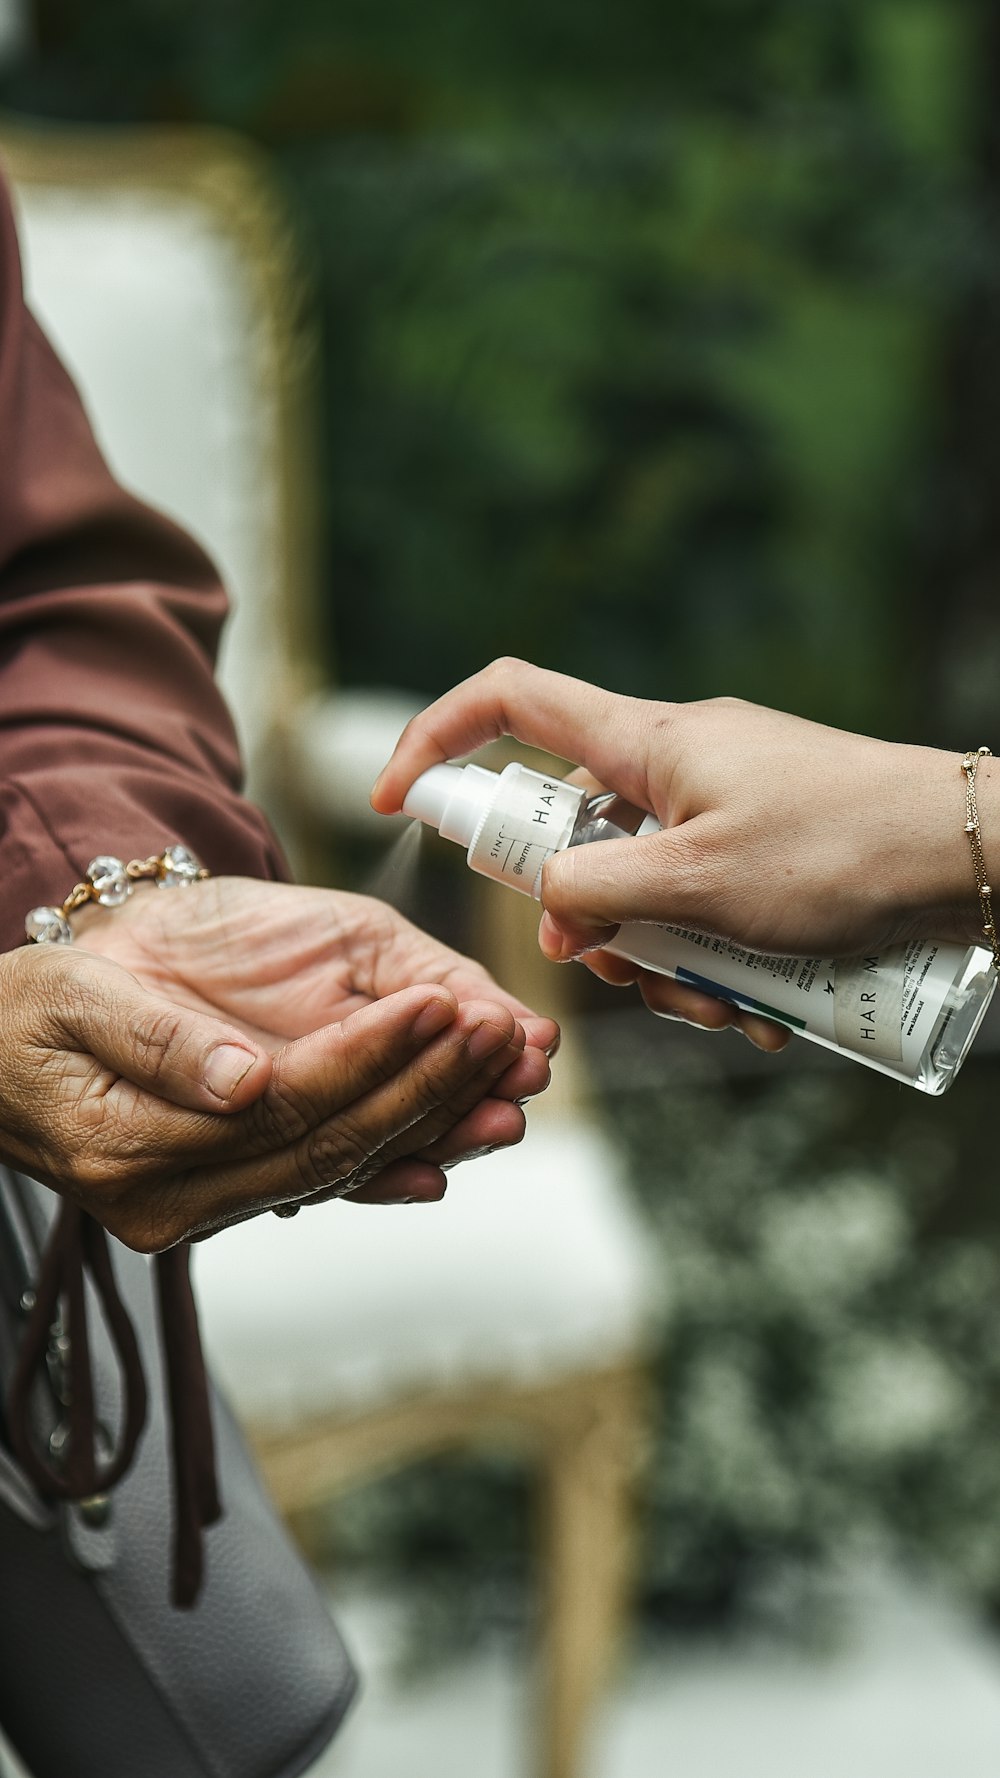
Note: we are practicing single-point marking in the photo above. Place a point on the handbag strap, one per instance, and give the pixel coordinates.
(196, 1489)
(77, 1246)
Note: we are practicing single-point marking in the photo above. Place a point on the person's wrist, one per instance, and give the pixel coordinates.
(929, 867)
(91, 922)
(110, 883)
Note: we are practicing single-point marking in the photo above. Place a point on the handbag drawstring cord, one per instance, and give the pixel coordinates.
(77, 1246)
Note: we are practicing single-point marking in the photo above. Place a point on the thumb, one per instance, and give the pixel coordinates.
(185, 1057)
(588, 891)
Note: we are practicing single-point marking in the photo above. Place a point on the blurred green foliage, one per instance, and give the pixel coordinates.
(829, 1370)
(639, 325)
(643, 453)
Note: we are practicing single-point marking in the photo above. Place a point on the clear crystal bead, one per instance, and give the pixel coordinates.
(107, 875)
(47, 926)
(181, 868)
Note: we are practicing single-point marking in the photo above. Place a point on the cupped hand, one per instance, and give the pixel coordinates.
(206, 1053)
(780, 834)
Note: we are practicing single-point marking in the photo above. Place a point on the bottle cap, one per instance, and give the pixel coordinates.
(453, 799)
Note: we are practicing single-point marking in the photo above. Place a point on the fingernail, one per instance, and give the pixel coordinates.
(225, 1068)
(485, 1040)
(375, 790)
(550, 939)
(433, 1018)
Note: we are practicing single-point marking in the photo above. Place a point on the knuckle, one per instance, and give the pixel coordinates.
(505, 666)
(379, 1064)
(503, 677)
(154, 1033)
(335, 1156)
(75, 987)
(561, 881)
(278, 1118)
(557, 879)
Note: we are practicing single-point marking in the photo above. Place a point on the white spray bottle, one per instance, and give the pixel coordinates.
(911, 1012)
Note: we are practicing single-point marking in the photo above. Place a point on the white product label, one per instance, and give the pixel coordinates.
(531, 818)
(868, 1005)
(885, 1006)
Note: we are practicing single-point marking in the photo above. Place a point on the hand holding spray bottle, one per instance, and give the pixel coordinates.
(911, 1011)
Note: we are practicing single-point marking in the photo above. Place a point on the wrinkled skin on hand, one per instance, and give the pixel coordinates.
(202, 1054)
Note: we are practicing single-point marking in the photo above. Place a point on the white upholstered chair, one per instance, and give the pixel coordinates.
(351, 1339)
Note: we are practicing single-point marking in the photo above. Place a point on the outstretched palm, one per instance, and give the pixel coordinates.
(282, 960)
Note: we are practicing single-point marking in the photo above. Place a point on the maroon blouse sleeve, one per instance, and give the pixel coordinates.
(113, 735)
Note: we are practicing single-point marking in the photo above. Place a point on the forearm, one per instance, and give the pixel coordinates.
(113, 736)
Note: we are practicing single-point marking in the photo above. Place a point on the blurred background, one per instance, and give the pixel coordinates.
(660, 344)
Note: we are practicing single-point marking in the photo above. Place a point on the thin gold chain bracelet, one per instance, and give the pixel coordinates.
(970, 766)
(109, 882)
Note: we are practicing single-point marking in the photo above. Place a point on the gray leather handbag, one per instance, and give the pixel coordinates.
(100, 1676)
